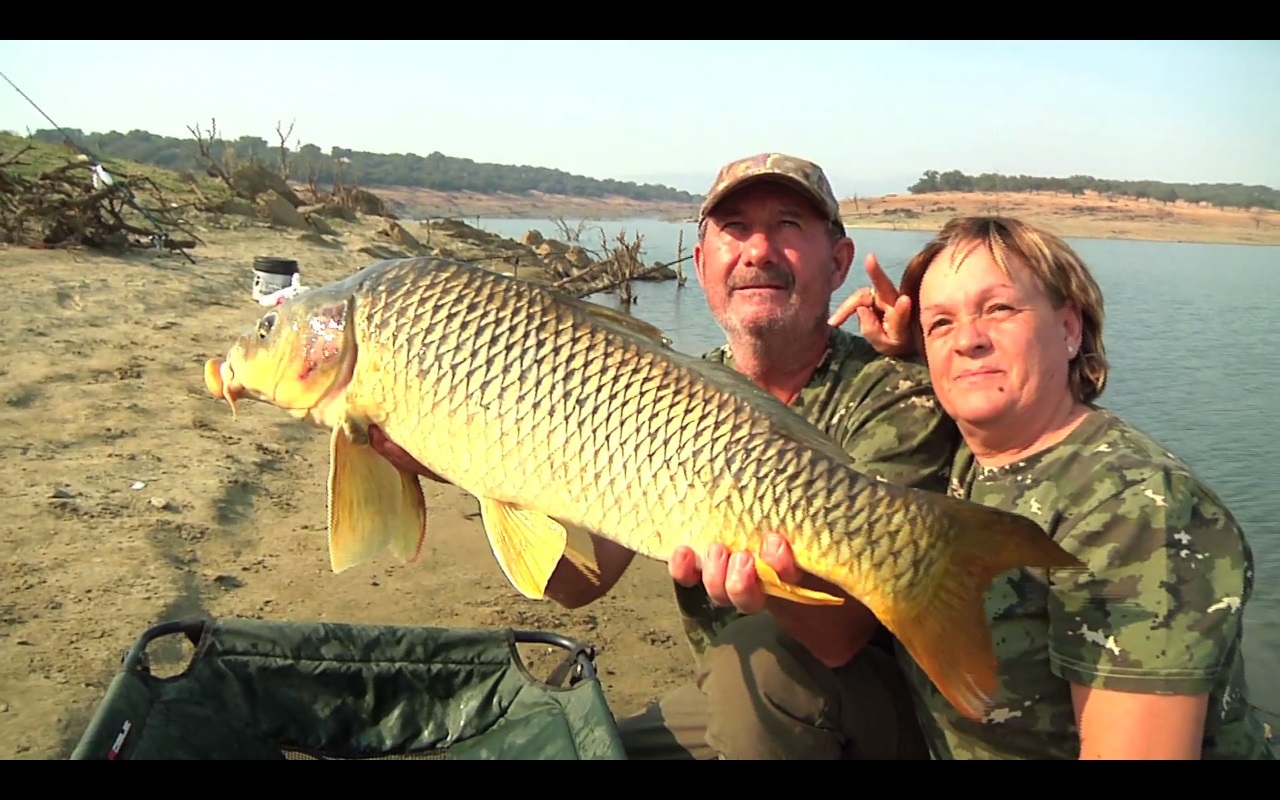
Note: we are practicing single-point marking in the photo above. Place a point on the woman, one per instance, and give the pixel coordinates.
(1141, 659)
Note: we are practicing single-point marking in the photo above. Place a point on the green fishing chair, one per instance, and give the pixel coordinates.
(289, 690)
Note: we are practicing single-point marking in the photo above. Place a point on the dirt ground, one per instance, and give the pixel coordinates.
(133, 497)
(1089, 215)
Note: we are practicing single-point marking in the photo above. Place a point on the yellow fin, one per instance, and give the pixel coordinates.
(528, 546)
(580, 551)
(620, 319)
(948, 634)
(373, 505)
(774, 586)
(784, 419)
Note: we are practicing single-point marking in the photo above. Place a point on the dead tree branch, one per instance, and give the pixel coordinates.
(615, 272)
(61, 207)
(286, 165)
(214, 167)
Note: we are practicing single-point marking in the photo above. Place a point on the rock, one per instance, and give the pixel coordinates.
(363, 201)
(662, 273)
(311, 237)
(237, 206)
(319, 224)
(330, 210)
(280, 211)
(396, 232)
(228, 581)
(381, 252)
(578, 257)
(252, 181)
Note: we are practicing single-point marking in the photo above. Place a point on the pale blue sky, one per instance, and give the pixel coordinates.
(874, 114)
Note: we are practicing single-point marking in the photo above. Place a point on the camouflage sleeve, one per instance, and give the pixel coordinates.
(1160, 609)
(896, 429)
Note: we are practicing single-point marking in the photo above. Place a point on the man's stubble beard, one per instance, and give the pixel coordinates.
(775, 338)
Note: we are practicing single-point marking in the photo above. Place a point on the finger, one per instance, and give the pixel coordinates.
(859, 299)
(886, 292)
(742, 584)
(897, 321)
(683, 567)
(714, 569)
(868, 322)
(777, 553)
(872, 329)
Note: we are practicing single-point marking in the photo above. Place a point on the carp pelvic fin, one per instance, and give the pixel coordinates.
(775, 587)
(947, 632)
(528, 546)
(373, 505)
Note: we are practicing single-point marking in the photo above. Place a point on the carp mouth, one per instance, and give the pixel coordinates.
(221, 382)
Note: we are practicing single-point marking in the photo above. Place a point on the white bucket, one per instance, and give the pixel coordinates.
(270, 275)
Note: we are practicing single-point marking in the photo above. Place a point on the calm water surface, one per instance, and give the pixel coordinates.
(1194, 363)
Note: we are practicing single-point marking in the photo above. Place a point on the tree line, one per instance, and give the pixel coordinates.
(435, 171)
(1222, 195)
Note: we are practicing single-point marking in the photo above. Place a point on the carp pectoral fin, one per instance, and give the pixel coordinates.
(373, 505)
(528, 546)
(775, 587)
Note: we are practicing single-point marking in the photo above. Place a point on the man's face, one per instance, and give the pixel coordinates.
(768, 263)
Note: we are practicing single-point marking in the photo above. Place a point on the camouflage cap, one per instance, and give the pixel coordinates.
(804, 175)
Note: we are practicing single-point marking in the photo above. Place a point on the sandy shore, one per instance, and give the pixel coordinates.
(1090, 216)
(133, 497)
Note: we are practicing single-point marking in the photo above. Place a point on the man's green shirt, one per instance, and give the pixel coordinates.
(881, 410)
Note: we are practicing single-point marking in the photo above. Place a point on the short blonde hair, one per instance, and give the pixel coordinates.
(1059, 271)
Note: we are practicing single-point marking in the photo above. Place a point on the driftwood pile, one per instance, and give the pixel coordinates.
(61, 207)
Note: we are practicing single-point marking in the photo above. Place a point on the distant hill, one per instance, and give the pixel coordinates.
(436, 171)
(1222, 195)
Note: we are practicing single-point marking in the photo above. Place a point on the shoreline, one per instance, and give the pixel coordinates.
(1082, 237)
(1086, 216)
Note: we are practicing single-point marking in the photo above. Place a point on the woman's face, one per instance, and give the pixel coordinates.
(998, 351)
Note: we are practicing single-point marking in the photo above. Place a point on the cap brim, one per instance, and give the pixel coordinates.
(800, 186)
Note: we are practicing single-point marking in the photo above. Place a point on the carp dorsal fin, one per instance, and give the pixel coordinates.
(785, 420)
(618, 319)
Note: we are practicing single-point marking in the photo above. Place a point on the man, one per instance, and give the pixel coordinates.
(794, 681)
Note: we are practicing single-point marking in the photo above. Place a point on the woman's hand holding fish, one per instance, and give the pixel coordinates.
(884, 316)
(832, 634)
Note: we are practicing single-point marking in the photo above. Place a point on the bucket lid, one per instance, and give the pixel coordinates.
(280, 266)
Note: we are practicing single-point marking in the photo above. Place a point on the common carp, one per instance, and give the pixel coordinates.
(562, 416)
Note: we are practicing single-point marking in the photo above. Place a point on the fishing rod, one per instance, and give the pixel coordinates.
(160, 239)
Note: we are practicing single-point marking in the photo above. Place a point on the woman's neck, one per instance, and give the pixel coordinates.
(1009, 443)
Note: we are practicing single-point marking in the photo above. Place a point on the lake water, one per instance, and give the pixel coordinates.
(1194, 363)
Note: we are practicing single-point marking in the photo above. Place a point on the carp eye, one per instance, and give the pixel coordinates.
(266, 324)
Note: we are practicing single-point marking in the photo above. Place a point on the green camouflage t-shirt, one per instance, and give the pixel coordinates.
(1177, 572)
(881, 411)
